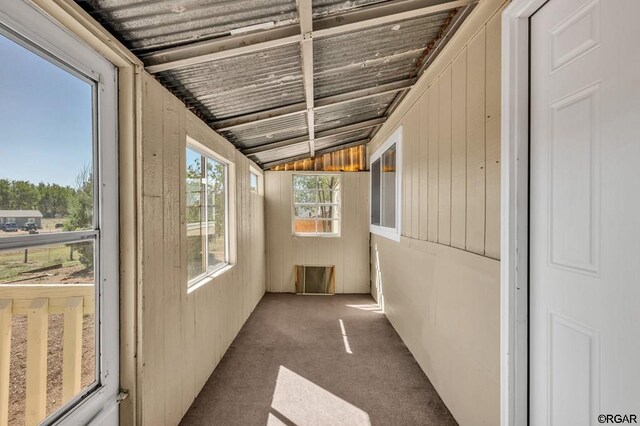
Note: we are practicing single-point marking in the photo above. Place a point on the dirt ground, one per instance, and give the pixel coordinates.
(68, 275)
(18, 373)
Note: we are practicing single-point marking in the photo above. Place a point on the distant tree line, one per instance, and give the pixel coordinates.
(51, 200)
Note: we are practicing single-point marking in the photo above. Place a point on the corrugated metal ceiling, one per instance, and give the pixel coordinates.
(373, 56)
(240, 86)
(329, 7)
(357, 111)
(274, 130)
(145, 25)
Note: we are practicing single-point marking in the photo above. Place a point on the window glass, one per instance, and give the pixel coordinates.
(195, 214)
(375, 192)
(253, 182)
(216, 216)
(207, 236)
(58, 283)
(389, 187)
(305, 182)
(316, 205)
(385, 199)
(47, 122)
(48, 193)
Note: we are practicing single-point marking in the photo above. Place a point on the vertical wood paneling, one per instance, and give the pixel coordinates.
(171, 261)
(476, 143)
(362, 227)
(423, 107)
(188, 312)
(412, 133)
(153, 338)
(444, 158)
(493, 66)
(270, 187)
(349, 231)
(407, 166)
(337, 258)
(183, 335)
(349, 253)
(432, 203)
(276, 248)
(285, 223)
(458, 288)
(452, 170)
(459, 151)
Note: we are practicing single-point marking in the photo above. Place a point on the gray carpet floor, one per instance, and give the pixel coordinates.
(318, 360)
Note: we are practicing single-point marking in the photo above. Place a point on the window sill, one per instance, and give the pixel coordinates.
(390, 233)
(317, 235)
(206, 279)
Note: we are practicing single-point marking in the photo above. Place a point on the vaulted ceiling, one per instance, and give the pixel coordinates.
(285, 80)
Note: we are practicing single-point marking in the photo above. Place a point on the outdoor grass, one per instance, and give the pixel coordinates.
(12, 261)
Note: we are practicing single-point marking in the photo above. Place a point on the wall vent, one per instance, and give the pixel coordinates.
(315, 279)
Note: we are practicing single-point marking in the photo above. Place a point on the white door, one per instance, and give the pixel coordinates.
(585, 212)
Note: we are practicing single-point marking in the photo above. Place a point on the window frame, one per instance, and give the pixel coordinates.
(384, 231)
(29, 27)
(203, 278)
(294, 204)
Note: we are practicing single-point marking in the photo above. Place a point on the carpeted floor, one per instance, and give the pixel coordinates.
(318, 360)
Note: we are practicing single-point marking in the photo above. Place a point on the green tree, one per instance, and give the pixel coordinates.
(215, 179)
(54, 199)
(6, 194)
(81, 214)
(25, 195)
(321, 189)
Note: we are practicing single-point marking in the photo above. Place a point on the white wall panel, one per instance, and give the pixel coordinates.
(349, 252)
(440, 287)
(182, 336)
(445, 304)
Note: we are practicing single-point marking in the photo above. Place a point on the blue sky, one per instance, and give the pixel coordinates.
(45, 119)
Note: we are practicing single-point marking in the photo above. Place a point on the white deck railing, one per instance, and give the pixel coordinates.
(37, 302)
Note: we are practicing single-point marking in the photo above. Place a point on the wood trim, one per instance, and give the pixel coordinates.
(514, 287)
(69, 14)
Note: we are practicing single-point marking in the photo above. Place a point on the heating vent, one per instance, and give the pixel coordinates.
(315, 279)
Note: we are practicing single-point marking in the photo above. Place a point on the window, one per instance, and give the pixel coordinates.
(58, 120)
(316, 205)
(385, 187)
(207, 213)
(253, 182)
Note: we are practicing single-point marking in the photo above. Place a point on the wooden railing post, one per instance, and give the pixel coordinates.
(5, 359)
(37, 333)
(72, 348)
(37, 301)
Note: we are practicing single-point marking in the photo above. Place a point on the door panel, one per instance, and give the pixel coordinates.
(584, 212)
